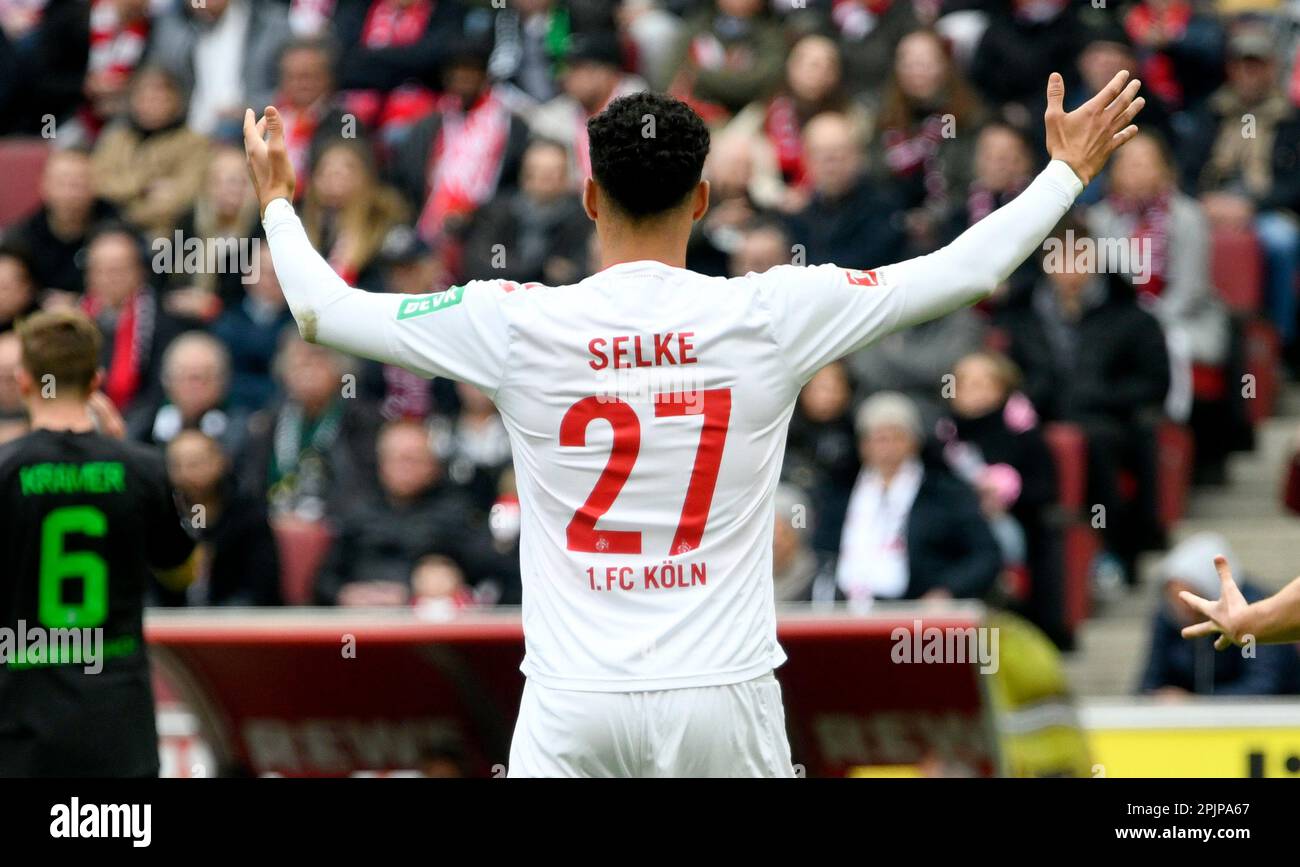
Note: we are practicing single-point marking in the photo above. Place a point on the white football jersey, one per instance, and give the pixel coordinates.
(647, 409)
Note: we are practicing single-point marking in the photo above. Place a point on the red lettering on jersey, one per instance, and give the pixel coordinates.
(620, 351)
(594, 347)
(684, 348)
(663, 349)
(862, 278)
(641, 360)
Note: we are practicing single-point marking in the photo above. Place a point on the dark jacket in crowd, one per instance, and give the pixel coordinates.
(1198, 668)
(949, 544)
(364, 68)
(533, 237)
(252, 339)
(862, 229)
(59, 263)
(380, 540)
(822, 459)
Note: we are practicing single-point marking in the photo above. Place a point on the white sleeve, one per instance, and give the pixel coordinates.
(824, 312)
(459, 333)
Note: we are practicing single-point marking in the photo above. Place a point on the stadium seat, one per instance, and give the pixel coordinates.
(1174, 452)
(21, 162)
(1262, 352)
(1080, 541)
(1237, 268)
(303, 546)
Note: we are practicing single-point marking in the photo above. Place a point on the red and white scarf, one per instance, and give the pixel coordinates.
(781, 125)
(917, 150)
(465, 161)
(131, 339)
(390, 24)
(115, 48)
(1151, 232)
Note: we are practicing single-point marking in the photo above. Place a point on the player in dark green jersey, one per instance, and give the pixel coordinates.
(84, 519)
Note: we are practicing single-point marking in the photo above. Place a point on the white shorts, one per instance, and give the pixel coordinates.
(737, 730)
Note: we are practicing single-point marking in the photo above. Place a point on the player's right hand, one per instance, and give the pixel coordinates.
(268, 158)
(1085, 138)
(1225, 613)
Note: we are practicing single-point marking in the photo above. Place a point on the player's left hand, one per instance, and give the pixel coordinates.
(268, 158)
(1225, 613)
(1085, 138)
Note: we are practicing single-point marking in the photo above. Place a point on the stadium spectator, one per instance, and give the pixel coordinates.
(136, 329)
(1176, 669)
(457, 158)
(821, 452)
(1180, 50)
(868, 32)
(251, 330)
(119, 37)
(149, 163)
(538, 234)
(924, 139)
(814, 83)
(308, 102)
(592, 77)
(473, 447)
(798, 573)
(392, 54)
(219, 226)
(995, 442)
(1111, 376)
(196, 383)
(849, 220)
(56, 234)
(18, 290)
(733, 202)
(383, 541)
(347, 212)
(913, 529)
(13, 413)
(224, 54)
(1025, 41)
(729, 54)
(528, 34)
(239, 563)
(1241, 156)
(43, 53)
(311, 452)
(654, 33)
(763, 245)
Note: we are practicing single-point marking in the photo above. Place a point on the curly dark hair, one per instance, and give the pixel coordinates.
(647, 152)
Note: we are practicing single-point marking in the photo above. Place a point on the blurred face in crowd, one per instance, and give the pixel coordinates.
(210, 10)
(1251, 78)
(979, 387)
(472, 400)
(305, 76)
(1140, 171)
(228, 186)
(407, 464)
(729, 167)
(785, 542)
(68, 185)
(826, 396)
(195, 378)
(340, 175)
(740, 8)
(813, 69)
(10, 357)
(266, 288)
(590, 83)
(1068, 283)
(833, 154)
(129, 10)
(1002, 162)
(886, 447)
(1100, 61)
(311, 374)
(155, 101)
(1185, 614)
(113, 269)
(759, 251)
(196, 464)
(921, 65)
(466, 80)
(17, 291)
(545, 173)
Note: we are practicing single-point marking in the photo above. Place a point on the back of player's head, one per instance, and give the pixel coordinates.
(63, 344)
(647, 153)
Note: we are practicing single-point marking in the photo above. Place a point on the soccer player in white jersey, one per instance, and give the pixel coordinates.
(647, 409)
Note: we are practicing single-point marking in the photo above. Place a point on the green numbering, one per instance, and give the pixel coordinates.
(58, 566)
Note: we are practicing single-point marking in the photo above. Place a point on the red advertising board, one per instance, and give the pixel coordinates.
(332, 692)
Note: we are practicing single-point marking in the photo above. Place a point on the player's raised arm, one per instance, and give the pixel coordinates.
(1275, 620)
(983, 256)
(464, 341)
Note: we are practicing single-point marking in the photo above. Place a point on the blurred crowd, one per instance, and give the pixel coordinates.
(439, 141)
